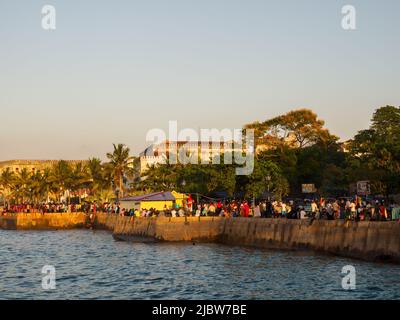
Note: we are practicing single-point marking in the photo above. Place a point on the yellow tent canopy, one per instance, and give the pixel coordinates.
(156, 200)
(180, 198)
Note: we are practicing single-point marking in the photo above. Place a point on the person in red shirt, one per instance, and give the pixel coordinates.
(382, 212)
(246, 209)
(190, 203)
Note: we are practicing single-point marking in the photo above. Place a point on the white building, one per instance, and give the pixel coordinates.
(162, 152)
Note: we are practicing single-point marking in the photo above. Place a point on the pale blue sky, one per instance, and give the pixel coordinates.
(115, 69)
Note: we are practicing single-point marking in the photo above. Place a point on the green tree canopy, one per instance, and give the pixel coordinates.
(298, 129)
(120, 165)
(376, 151)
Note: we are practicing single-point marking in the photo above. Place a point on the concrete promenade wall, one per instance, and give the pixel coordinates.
(205, 229)
(105, 221)
(38, 221)
(374, 241)
(365, 240)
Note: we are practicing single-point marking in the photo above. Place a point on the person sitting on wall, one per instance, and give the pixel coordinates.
(257, 212)
(198, 211)
(211, 209)
(302, 213)
(173, 213)
(137, 213)
(382, 212)
(330, 212)
(181, 212)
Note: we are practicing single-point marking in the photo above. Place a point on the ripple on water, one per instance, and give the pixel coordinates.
(91, 265)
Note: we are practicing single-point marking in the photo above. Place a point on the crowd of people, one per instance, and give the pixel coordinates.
(347, 209)
(53, 207)
(48, 207)
(344, 208)
(355, 209)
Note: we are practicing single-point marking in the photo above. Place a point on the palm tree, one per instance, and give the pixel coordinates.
(23, 184)
(96, 175)
(36, 187)
(61, 177)
(80, 177)
(47, 183)
(120, 164)
(7, 179)
(101, 177)
(105, 195)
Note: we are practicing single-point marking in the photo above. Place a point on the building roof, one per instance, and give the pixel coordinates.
(189, 143)
(36, 162)
(155, 196)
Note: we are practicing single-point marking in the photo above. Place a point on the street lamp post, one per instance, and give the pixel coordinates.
(268, 180)
(183, 184)
(117, 195)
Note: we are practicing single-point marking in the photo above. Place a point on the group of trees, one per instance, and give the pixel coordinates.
(215, 179)
(295, 149)
(306, 152)
(291, 150)
(104, 181)
(375, 152)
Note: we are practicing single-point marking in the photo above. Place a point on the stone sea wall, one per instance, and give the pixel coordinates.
(364, 240)
(374, 241)
(205, 229)
(105, 221)
(38, 221)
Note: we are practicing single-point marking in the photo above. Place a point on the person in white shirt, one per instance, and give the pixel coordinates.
(303, 214)
(353, 209)
(198, 210)
(173, 212)
(257, 212)
(314, 207)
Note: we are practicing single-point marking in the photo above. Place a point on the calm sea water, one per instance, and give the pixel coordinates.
(91, 265)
